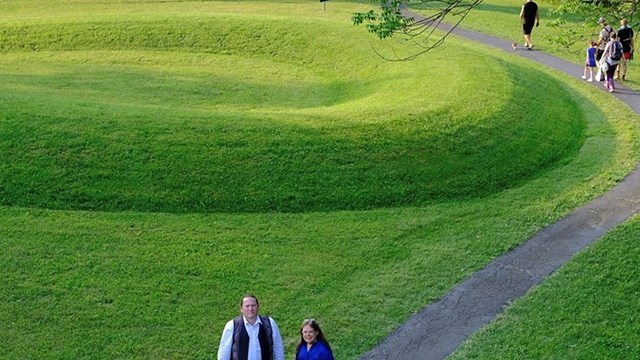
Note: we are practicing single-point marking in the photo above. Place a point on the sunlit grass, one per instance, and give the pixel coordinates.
(266, 149)
(588, 310)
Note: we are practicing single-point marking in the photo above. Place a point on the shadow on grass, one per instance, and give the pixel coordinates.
(206, 90)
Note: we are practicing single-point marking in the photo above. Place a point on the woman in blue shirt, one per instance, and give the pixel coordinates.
(313, 345)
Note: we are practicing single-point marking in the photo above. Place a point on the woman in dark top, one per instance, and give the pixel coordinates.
(313, 345)
(625, 36)
(529, 17)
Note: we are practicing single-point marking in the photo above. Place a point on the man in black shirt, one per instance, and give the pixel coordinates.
(625, 36)
(529, 17)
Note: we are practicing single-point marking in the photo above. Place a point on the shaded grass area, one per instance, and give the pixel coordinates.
(588, 310)
(148, 285)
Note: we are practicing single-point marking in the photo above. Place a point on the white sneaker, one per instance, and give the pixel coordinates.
(590, 80)
(584, 77)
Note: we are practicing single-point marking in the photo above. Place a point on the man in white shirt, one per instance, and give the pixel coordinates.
(251, 336)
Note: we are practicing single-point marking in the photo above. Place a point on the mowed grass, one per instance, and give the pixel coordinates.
(231, 112)
(588, 310)
(261, 146)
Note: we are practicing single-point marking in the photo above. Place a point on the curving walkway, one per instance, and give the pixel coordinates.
(436, 331)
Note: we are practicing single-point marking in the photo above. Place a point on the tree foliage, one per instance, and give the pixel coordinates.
(391, 19)
(575, 19)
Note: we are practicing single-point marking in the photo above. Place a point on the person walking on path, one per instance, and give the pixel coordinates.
(625, 36)
(529, 16)
(251, 336)
(590, 61)
(603, 38)
(612, 56)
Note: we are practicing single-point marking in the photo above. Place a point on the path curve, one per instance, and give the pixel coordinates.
(436, 331)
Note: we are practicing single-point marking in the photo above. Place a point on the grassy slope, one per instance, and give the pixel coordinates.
(157, 285)
(313, 142)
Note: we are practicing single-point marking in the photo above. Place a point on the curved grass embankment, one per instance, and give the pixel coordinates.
(236, 113)
(394, 180)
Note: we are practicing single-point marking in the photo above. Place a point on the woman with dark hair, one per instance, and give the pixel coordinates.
(529, 16)
(313, 345)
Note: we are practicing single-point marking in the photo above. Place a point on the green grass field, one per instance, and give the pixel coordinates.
(161, 159)
(588, 310)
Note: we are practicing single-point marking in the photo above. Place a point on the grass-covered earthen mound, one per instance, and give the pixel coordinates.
(199, 111)
(230, 105)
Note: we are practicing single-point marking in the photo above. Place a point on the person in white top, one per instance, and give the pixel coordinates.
(251, 336)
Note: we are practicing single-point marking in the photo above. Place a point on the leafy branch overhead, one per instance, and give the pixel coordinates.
(575, 21)
(387, 21)
(396, 18)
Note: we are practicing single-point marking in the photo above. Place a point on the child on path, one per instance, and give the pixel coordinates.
(590, 62)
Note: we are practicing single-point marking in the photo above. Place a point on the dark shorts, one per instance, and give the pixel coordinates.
(527, 28)
(599, 54)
